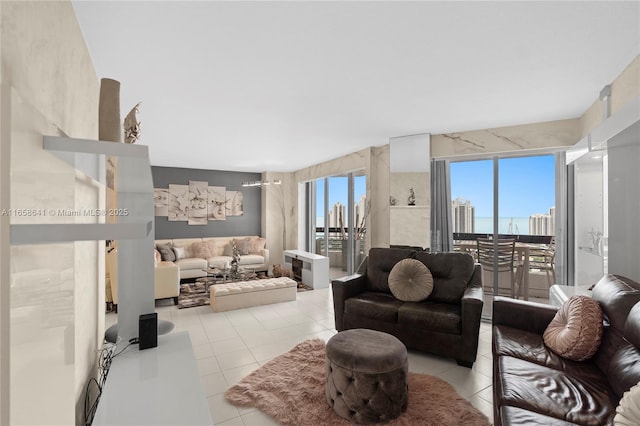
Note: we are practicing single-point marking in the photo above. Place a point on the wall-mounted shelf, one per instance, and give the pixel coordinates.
(87, 156)
(65, 232)
(87, 175)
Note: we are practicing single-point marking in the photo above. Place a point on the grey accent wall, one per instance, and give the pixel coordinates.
(247, 224)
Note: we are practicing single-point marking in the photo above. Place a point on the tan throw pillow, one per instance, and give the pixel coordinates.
(256, 245)
(228, 249)
(157, 257)
(213, 248)
(576, 330)
(201, 249)
(242, 245)
(410, 280)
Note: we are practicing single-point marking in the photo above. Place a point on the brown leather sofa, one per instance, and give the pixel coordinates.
(534, 386)
(447, 323)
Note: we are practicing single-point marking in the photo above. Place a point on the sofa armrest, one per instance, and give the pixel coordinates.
(473, 294)
(265, 254)
(167, 280)
(521, 314)
(471, 312)
(344, 288)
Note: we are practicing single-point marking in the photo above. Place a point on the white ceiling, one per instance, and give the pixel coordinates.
(278, 86)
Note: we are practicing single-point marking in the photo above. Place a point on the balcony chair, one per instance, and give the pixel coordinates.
(542, 258)
(505, 261)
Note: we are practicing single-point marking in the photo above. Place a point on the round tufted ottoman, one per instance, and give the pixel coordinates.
(366, 376)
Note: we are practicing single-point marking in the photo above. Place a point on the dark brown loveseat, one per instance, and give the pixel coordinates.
(447, 323)
(534, 386)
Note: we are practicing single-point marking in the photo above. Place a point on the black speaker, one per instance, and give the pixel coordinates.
(148, 331)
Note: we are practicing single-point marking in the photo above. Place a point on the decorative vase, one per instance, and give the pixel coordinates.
(109, 127)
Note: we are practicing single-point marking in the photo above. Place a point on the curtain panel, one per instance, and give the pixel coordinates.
(441, 223)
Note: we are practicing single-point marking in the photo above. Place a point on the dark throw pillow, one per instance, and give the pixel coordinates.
(166, 252)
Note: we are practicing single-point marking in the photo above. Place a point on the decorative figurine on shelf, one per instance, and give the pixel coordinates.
(412, 198)
(236, 259)
(392, 200)
(132, 125)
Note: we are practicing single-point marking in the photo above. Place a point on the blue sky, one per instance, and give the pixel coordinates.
(526, 185)
(338, 191)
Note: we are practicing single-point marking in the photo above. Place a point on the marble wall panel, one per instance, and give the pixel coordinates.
(279, 214)
(51, 87)
(354, 161)
(408, 225)
(418, 181)
(504, 139)
(378, 192)
(625, 88)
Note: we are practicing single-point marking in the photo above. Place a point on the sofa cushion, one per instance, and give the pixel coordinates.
(243, 245)
(251, 259)
(228, 249)
(628, 411)
(616, 295)
(191, 263)
(186, 243)
(379, 265)
(166, 252)
(219, 262)
(179, 252)
(619, 360)
(573, 398)
(213, 247)
(201, 250)
(256, 245)
(374, 305)
(451, 274)
(442, 317)
(410, 281)
(576, 330)
(509, 341)
(518, 416)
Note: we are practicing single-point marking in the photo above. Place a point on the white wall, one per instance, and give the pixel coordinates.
(49, 86)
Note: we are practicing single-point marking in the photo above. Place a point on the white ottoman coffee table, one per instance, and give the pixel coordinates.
(244, 294)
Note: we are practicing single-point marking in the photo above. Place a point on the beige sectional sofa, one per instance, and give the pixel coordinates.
(166, 280)
(193, 256)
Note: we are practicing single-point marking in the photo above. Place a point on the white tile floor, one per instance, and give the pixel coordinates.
(230, 345)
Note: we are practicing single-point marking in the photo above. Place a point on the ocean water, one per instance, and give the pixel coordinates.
(519, 225)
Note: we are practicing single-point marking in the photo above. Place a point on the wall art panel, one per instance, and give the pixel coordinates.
(178, 202)
(161, 201)
(198, 195)
(216, 209)
(234, 203)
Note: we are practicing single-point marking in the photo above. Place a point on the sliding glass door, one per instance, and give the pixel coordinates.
(526, 208)
(339, 212)
(508, 199)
